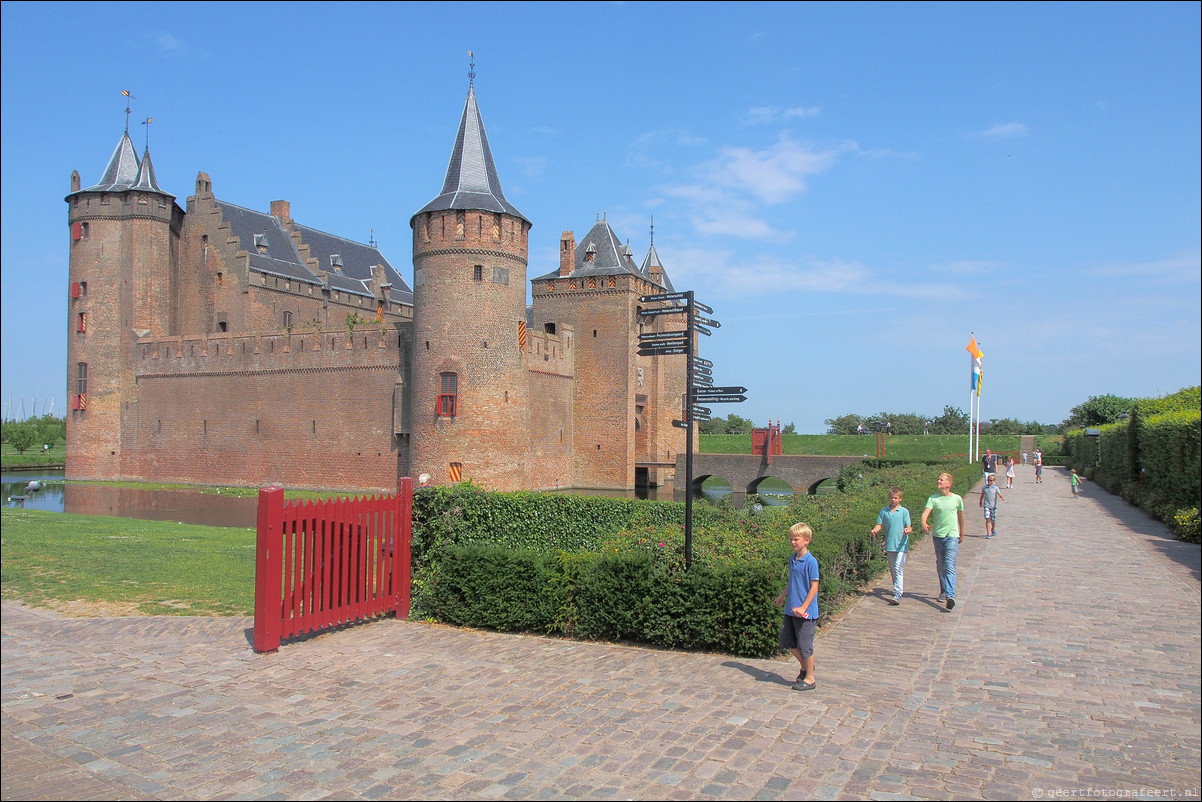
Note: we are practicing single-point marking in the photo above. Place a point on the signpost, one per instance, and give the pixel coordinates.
(699, 373)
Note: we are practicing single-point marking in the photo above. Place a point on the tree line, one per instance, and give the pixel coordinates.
(25, 434)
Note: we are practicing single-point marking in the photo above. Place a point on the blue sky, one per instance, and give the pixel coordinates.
(856, 189)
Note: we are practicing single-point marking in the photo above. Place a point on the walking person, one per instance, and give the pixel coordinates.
(1038, 460)
(1009, 473)
(895, 520)
(1076, 480)
(990, 494)
(944, 515)
(800, 599)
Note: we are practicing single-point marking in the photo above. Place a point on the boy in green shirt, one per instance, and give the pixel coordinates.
(944, 514)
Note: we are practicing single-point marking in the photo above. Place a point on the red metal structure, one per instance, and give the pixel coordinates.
(325, 563)
(766, 442)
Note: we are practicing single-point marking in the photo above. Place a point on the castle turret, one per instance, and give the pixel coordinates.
(469, 382)
(124, 254)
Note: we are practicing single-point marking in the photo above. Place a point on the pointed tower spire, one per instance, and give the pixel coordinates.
(146, 181)
(122, 170)
(471, 181)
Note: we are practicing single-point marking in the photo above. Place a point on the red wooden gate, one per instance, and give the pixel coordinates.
(324, 563)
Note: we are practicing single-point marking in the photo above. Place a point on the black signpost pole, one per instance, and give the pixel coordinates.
(688, 459)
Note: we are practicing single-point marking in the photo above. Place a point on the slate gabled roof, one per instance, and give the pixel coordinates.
(610, 256)
(471, 181)
(282, 258)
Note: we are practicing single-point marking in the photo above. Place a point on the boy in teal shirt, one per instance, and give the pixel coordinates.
(895, 520)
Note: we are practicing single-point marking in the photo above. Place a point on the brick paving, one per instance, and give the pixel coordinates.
(1072, 662)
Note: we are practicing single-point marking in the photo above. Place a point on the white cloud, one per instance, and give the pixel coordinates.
(772, 114)
(168, 43)
(1003, 131)
(727, 274)
(774, 174)
(1185, 267)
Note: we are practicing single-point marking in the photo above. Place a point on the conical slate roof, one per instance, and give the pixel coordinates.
(146, 181)
(122, 170)
(471, 181)
(652, 261)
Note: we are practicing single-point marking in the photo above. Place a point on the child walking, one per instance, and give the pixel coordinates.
(944, 514)
(1076, 480)
(895, 520)
(1010, 473)
(800, 598)
(990, 494)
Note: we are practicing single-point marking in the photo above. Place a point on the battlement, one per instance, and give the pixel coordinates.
(371, 345)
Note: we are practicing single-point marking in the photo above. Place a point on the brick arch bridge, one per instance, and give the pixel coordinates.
(744, 471)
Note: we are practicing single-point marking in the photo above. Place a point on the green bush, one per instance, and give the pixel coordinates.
(1186, 524)
(614, 569)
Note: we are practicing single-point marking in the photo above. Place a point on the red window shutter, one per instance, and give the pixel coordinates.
(75, 292)
(76, 232)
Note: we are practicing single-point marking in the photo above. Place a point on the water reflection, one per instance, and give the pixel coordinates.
(186, 505)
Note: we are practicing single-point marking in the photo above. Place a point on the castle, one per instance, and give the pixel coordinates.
(221, 345)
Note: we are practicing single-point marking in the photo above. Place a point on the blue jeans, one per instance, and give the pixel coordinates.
(945, 564)
(897, 565)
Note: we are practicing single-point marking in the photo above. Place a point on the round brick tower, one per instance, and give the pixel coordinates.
(469, 385)
(124, 246)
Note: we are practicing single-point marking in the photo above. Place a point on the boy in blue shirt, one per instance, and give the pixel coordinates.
(800, 598)
(895, 520)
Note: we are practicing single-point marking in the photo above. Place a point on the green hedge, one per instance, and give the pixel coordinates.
(613, 569)
(1153, 459)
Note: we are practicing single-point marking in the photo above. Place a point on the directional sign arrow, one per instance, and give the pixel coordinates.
(701, 370)
(705, 380)
(663, 335)
(705, 363)
(701, 410)
(674, 351)
(663, 310)
(702, 330)
(668, 296)
(706, 321)
(680, 424)
(720, 399)
(703, 307)
(729, 390)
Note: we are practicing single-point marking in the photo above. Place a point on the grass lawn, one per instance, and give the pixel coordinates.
(9, 456)
(94, 564)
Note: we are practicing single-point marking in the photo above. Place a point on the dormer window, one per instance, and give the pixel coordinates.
(261, 243)
(590, 253)
(336, 262)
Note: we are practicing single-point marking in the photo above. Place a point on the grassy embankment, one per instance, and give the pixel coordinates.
(902, 447)
(33, 458)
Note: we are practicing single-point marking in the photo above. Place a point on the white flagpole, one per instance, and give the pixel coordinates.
(971, 413)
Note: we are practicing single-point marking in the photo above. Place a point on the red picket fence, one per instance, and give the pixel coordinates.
(325, 563)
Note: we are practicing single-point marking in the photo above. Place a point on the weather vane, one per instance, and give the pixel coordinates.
(471, 73)
(128, 97)
(147, 123)
(652, 231)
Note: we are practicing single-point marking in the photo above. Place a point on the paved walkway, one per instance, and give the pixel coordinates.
(1071, 662)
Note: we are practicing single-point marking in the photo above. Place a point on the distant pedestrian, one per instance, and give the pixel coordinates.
(423, 480)
(988, 463)
(990, 494)
(944, 515)
(1076, 480)
(895, 520)
(1024, 458)
(1009, 473)
(926, 427)
(1038, 460)
(800, 598)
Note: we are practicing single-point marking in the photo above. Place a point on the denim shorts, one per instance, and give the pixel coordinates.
(797, 633)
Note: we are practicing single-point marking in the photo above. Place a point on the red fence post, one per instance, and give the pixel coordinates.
(401, 554)
(269, 568)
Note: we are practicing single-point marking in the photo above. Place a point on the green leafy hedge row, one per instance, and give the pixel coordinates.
(1153, 459)
(613, 569)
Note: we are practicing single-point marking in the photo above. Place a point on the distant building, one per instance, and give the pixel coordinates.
(224, 345)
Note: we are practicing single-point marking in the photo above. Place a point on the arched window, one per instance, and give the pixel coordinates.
(448, 395)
